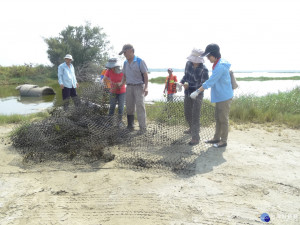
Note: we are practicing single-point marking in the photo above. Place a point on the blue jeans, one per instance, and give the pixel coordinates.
(170, 97)
(114, 98)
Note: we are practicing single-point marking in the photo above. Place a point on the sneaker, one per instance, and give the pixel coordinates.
(187, 131)
(212, 141)
(220, 145)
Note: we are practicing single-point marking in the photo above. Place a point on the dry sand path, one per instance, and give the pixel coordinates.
(259, 172)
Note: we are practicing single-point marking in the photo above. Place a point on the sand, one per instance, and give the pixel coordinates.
(258, 172)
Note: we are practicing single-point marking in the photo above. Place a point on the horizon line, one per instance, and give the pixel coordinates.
(241, 71)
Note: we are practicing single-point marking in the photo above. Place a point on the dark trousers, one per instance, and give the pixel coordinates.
(66, 94)
(192, 110)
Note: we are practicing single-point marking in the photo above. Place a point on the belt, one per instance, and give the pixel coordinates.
(134, 84)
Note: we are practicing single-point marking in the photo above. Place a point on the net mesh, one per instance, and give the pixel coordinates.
(85, 133)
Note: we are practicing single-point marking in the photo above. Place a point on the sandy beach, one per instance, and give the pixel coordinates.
(258, 172)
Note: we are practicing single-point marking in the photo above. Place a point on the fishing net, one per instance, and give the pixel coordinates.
(85, 133)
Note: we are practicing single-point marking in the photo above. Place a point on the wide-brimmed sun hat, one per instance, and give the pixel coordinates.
(195, 56)
(68, 56)
(112, 63)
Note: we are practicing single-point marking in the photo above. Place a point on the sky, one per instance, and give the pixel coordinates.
(252, 34)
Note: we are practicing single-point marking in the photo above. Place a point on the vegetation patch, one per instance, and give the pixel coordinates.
(281, 108)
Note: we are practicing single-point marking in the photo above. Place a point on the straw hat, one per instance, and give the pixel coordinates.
(195, 56)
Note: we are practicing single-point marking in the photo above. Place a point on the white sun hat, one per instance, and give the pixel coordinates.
(195, 56)
(68, 56)
(112, 62)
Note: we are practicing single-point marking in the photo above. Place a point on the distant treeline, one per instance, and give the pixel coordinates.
(42, 73)
(161, 80)
(27, 73)
(236, 71)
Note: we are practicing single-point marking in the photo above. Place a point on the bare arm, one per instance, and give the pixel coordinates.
(146, 84)
(123, 81)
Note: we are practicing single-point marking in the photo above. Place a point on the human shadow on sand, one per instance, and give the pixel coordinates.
(204, 163)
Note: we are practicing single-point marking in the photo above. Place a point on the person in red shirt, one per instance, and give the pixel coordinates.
(117, 93)
(170, 86)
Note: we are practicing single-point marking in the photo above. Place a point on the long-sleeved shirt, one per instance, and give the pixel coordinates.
(220, 82)
(194, 76)
(66, 75)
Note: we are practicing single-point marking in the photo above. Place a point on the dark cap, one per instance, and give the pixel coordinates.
(211, 48)
(170, 69)
(126, 47)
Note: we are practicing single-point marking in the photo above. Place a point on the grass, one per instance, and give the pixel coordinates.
(16, 118)
(162, 112)
(281, 108)
(266, 78)
(172, 113)
(278, 109)
(27, 74)
(158, 80)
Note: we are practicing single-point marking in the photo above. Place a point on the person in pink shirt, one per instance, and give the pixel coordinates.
(117, 93)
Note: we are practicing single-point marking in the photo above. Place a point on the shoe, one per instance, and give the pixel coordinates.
(187, 131)
(141, 131)
(218, 145)
(211, 141)
(194, 142)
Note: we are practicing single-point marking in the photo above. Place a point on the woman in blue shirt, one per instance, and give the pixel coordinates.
(221, 93)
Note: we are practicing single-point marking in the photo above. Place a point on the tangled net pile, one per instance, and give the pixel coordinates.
(85, 134)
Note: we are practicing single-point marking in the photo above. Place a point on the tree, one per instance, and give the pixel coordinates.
(87, 45)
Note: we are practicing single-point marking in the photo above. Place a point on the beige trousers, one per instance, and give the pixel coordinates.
(222, 120)
(135, 100)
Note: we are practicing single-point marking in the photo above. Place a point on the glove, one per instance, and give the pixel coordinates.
(179, 87)
(195, 94)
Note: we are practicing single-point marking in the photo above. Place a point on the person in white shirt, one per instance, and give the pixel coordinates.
(67, 81)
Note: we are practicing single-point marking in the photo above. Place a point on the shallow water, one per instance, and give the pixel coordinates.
(25, 105)
(12, 103)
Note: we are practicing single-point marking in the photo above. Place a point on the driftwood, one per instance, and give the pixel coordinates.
(31, 90)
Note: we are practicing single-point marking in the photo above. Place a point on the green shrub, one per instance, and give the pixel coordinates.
(283, 107)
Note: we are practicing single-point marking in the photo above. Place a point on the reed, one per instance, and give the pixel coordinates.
(16, 118)
(281, 108)
(267, 78)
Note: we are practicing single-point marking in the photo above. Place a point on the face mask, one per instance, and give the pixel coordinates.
(118, 70)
